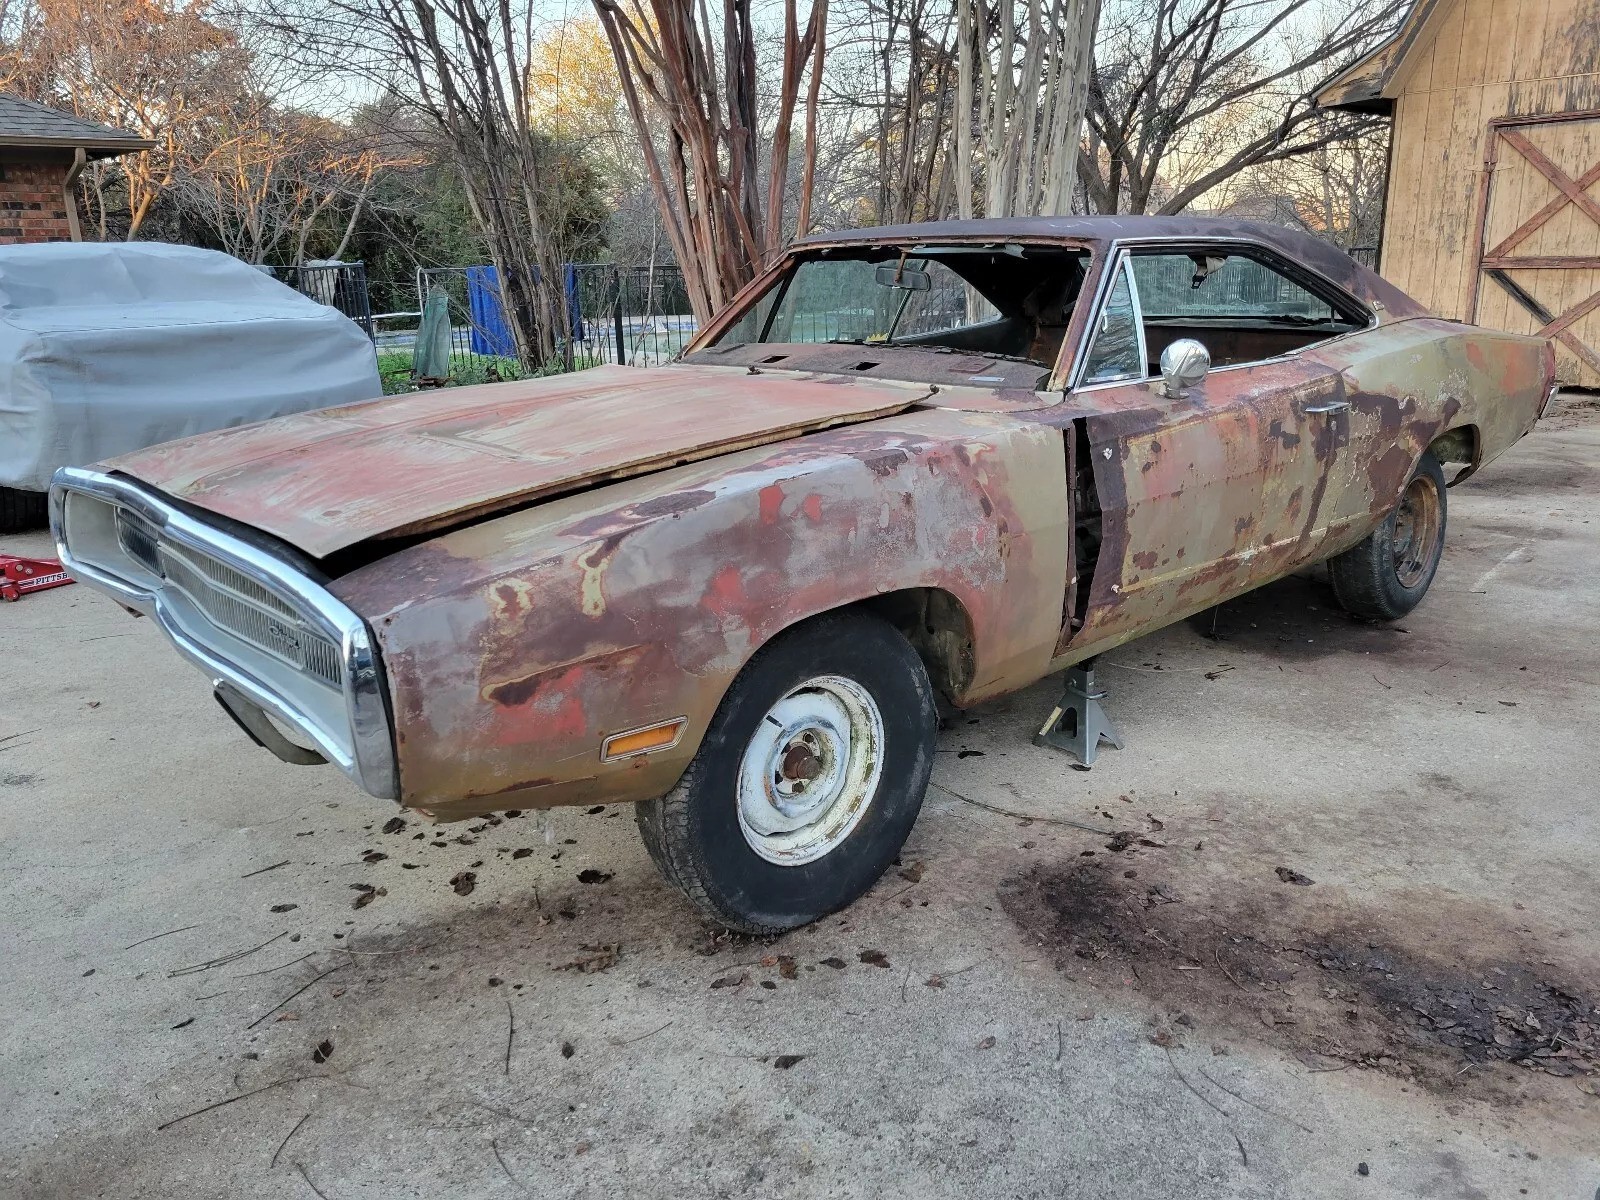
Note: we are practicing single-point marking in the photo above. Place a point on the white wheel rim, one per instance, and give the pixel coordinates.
(810, 770)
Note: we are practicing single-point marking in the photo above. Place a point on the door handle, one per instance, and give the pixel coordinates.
(1332, 406)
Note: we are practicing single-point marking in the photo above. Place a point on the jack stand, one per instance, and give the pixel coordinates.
(1078, 724)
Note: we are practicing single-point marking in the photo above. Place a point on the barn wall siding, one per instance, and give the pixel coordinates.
(1488, 59)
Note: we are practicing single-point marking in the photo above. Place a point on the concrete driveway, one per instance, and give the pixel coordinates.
(1325, 928)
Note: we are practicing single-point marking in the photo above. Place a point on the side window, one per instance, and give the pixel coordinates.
(1207, 287)
(1115, 352)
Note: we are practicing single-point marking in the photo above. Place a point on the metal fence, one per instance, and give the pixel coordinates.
(338, 285)
(634, 315)
(1367, 256)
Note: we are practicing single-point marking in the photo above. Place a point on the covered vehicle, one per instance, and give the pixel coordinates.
(930, 458)
(110, 347)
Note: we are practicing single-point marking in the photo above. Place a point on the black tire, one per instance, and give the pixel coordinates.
(1386, 576)
(22, 511)
(695, 834)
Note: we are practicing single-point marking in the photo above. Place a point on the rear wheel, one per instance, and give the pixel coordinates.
(21, 511)
(1386, 575)
(808, 781)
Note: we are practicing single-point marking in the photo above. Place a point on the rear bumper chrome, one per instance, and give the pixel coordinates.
(339, 706)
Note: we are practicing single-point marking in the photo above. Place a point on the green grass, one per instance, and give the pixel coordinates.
(394, 366)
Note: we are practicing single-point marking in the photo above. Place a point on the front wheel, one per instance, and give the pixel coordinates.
(1385, 576)
(808, 781)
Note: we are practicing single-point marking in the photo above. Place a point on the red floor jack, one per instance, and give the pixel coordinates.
(19, 576)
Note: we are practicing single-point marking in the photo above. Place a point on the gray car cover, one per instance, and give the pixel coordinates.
(107, 348)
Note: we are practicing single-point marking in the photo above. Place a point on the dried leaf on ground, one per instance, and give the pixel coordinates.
(394, 825)
(874, 958)
(731, 981)
(1288, 876)
(590, 875)
(784, 1061)
(913, 873)
(463, 882)
(596, 958)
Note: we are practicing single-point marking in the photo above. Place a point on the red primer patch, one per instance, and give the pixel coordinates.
(771, 503)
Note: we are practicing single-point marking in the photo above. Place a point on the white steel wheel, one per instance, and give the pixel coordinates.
(807, 780)
(810, 770)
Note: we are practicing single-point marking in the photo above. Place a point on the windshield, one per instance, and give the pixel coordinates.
(1004, 301)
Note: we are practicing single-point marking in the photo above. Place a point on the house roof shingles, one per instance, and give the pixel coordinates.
(24, 123)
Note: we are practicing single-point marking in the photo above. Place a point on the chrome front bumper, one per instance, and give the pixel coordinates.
(341, 709)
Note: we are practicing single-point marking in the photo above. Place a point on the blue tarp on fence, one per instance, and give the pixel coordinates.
(489, 334)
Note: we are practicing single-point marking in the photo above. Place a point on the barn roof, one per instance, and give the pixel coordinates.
(24, 123)
(1363, 87)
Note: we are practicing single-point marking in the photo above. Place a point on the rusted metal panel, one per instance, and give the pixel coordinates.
(327, 480)
(1208, 497)
(515, 646)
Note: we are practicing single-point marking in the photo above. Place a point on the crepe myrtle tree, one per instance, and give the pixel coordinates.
(695, 93)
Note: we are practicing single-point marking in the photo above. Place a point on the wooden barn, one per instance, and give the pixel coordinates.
(1492, 213)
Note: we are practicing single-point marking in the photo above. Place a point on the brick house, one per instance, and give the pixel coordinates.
(42, 153)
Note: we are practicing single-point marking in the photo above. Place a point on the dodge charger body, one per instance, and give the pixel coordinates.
(937, 459)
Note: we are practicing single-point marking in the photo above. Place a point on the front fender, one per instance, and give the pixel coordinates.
(514, 647)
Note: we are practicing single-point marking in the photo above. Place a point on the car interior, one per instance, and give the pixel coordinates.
(1241, 309)
(997, 312)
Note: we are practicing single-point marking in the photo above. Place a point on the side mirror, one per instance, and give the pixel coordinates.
(1183, 364)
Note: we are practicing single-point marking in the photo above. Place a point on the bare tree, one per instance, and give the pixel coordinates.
(1188, 93)
(721, 200)
(463, 66)
(1022, 76)
(1335, 191)
(272, 176)
(163, 71)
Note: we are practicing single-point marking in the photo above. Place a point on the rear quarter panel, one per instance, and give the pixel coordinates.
(515, 646)
(1415, 381)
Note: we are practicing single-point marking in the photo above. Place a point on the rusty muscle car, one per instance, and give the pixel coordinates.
(940, 458)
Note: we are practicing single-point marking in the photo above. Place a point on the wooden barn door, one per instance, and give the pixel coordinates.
(1539, 237)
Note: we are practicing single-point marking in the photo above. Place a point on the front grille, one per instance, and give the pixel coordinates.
(231, 600)
(138, 538)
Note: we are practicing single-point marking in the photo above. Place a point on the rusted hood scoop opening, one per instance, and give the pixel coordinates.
(415, 464)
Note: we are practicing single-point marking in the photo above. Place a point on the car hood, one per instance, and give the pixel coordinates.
(327, 480)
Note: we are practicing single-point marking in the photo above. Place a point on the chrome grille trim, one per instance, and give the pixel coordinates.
(210, 592)
(244, 608)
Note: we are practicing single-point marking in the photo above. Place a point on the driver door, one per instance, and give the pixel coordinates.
(1203, 495)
